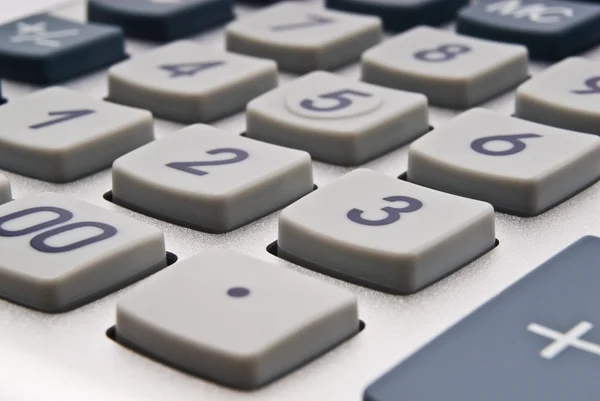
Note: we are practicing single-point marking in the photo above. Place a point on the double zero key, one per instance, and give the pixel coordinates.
(384, 233)
(520, 167)
(57, 253)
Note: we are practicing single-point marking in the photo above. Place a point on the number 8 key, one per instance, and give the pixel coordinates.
(57, 253)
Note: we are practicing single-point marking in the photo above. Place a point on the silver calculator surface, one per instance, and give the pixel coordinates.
(70, 355)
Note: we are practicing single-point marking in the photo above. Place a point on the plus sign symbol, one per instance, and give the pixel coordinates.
(563, 341)
(38, 34)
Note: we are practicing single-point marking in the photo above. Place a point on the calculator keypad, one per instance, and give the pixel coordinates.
(301, 39)
(564, 95)
(190, 83)
(518, 166)
(384, 233)
(207, 179)
(550, 29)
(336, 119)
(57, 253)
(161, 20)
(59, 135)
(5, 191)
(451, 70)
(43, 49)
(234, 319)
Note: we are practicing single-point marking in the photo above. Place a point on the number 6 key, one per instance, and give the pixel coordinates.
(520, 167)
(384, 233)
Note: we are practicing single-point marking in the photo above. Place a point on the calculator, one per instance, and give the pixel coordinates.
(358, 200)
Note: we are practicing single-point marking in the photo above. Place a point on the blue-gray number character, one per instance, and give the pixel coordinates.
(342, 97)
(393, 213)
(237, 156)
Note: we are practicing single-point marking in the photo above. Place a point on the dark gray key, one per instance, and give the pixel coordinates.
(43, 49)
(162, 20)
(538, 341)
(550, 29)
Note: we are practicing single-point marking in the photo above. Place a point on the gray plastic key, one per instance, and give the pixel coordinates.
(234, 319)
(302, 39)
(5, 192)
(337, 120)
(205, 178)
(451, 70)
(190, 83)
(60, 135)
(538, 340)
(516, 165)
(57, 253)
(384, 233)
(565, 95)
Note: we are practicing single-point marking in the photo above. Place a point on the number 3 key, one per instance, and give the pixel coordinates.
(384, 233)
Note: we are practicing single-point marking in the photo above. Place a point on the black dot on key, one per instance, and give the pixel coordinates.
(238, 292)
(43, 49)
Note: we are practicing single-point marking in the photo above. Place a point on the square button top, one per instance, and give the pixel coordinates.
(550, 29)
(301, 39)
(57, 252)
(565, 95)
(235, 319)
(518, 166)
(43, 49)
(59, 135)
(337, 119)
(383, 232)
(208, 179)
(161, 20)
(451, 70)
(190, 83)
